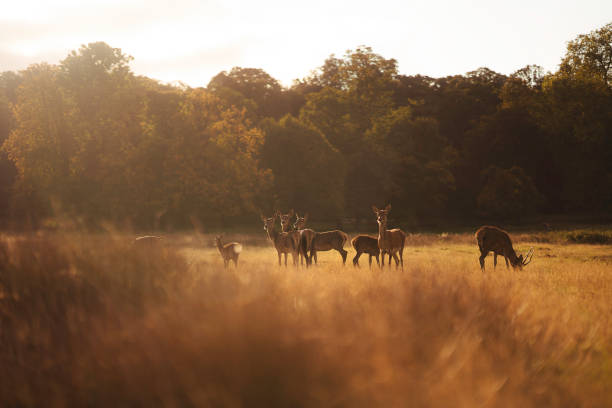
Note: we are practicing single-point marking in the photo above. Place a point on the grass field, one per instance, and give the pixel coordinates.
(89, 320)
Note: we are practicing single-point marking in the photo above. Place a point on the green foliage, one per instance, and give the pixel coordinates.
(308, 171)
(508, 194)
(590, 237)
(89, 139)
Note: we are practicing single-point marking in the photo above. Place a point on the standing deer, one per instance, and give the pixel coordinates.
(285, 220)
(283, 242)
(229, 252)
(365, 244)
(497, 240)
(324, 241)
(306, 237)
(389, 241)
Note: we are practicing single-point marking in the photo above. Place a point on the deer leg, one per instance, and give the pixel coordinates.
(377, 260)
(286, 258)
(401, 255)
(343, 253)
(370, 260)
(482, 260)
(279, 257)
(494, 260)
(382, 260)
(236, 261)
(507, 264)
(396, 259)
(356, 259)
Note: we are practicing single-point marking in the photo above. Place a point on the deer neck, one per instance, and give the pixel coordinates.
(220, 246)
(273, 235)
(382, 229)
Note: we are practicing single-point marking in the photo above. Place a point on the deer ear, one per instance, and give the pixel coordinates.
(262, 217)
(388, 207)
(375, 209)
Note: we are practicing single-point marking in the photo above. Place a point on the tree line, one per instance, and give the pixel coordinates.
(89, 139)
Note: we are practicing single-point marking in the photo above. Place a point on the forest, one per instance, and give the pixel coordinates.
(89, 140)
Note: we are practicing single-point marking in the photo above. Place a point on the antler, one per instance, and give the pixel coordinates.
(528, 257)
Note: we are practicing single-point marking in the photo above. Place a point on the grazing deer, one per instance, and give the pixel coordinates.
(497, 240)
(324, 241)
(365, 244)
(283, 242)
(229, 252)
(389, 241)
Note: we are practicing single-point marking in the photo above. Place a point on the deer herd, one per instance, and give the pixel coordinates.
(303, 243)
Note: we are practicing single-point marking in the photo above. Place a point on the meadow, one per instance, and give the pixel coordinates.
(90, 320)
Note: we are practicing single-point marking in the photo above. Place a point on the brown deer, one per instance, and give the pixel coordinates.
(497, 240)
(306, 237)
(229, 251)
(324, 241)
(365, 244)
(283, 242)
(285, 220)
(389, 241)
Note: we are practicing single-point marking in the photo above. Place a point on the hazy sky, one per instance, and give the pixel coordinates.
(191, 41)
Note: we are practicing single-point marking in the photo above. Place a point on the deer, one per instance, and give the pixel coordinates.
(497, 240)
(285, 220)
(365, 244)
(283, 242)
(229, 251)
(306, 236)
(323, 241)
(389, 241)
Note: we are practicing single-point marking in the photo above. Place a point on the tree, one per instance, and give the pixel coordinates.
(508, 194)
(590, 56)
(41, 143)
(308, 171)
(251, 88)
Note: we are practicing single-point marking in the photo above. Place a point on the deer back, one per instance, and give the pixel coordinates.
(366, 243)
(324, 241)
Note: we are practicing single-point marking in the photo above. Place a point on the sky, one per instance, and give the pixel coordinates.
(191, 41)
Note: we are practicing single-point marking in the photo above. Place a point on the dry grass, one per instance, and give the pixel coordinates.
(91, 321)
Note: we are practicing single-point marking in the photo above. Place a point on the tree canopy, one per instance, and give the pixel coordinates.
(90, 139)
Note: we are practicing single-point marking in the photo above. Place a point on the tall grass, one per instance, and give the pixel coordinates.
(94, 321)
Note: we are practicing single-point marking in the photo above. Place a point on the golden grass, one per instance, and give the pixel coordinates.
(88, 320)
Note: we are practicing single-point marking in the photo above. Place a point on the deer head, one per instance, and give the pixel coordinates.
(300, 222)
(285, 220)
(381, 215)
(268, 223)
(524, 261)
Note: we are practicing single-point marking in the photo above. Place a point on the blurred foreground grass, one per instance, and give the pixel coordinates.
(89, 320)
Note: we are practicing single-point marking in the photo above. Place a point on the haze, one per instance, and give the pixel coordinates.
(191, 41)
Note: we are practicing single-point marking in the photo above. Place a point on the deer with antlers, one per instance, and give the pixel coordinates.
(229, 251)
(284, 243)
(389, 241)
(498, 241)
(305, 235)
(323, 241)
(285, 220)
